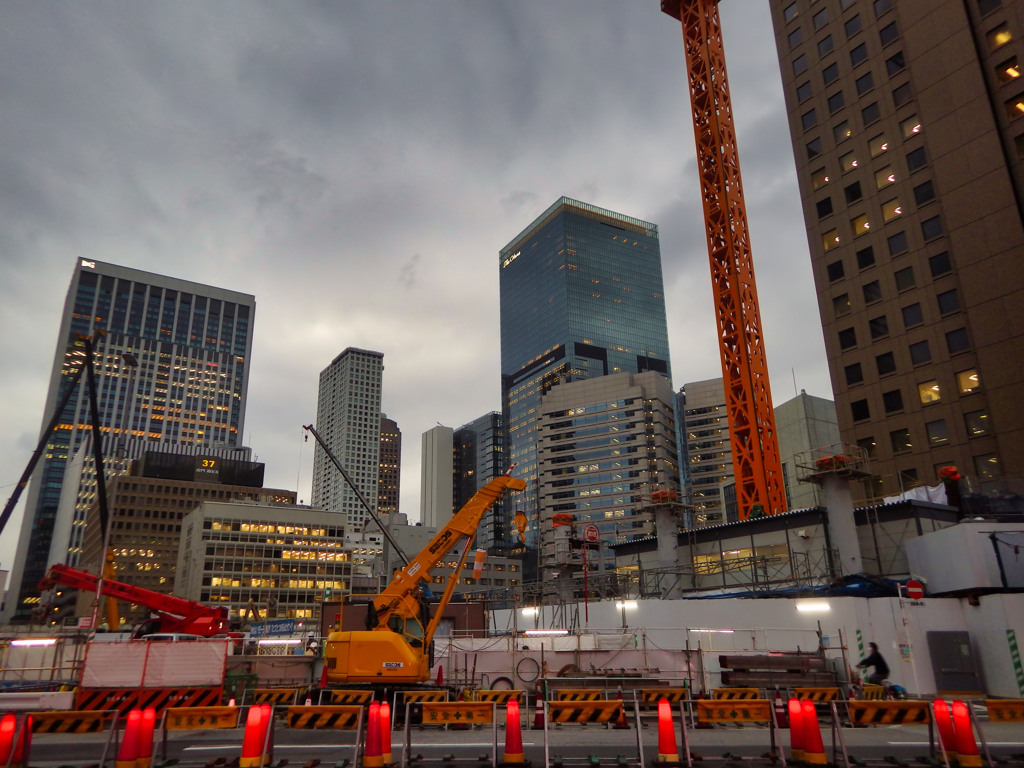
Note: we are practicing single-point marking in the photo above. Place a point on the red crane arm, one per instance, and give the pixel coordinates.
(176, 613)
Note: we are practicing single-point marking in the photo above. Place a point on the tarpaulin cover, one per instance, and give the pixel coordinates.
(138, 663)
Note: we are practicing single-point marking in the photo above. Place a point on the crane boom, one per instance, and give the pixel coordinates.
(755, 450)
(176, 613)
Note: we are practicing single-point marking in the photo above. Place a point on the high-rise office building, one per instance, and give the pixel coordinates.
(908, 132)
(348, 420)
(436, 476)
(581, 296)
(172, 368)
(478, 456)
(707, 450)
(389, 481)
(605, 447)
(807, 430)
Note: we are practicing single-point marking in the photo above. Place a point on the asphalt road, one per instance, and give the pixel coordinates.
(574, 743)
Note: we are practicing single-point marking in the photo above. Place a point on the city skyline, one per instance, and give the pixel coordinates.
(374, 226)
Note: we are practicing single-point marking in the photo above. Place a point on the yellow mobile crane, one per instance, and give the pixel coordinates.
(395, 647)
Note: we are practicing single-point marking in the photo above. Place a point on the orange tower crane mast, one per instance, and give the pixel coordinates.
(755, 449)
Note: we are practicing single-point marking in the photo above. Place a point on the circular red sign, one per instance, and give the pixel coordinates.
(915, 589)
(591, 533)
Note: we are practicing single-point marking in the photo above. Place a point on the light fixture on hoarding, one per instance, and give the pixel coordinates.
(819, 606)
(718, 631)
(282, 641)
(545, 632)
(530, 611)
(29, 642)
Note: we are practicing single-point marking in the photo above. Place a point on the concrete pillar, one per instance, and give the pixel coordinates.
(841, 527)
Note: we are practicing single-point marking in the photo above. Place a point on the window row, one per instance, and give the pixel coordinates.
(931, 229)
(957, 341)
(976, 424)
(948, 303)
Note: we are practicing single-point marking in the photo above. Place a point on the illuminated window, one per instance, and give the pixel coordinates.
(1008, 70)
(999, 36)
(842, 131)
(884, 177)
(936, 431)
(848, 162)
(869, 446)
(899, 439)
(860, 224)
(987, 466)
(819, 178)
(968, 381)
(1015, 107)
(929, 392)
(878, 145)
(891, 209)
(910, 127)
(830, 240)
(976, 423)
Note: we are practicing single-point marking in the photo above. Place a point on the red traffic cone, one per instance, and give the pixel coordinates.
(372, 757)
(440, 675)
(668, 751)
(538, 715)
(796, 730)
(513, 734)
(144, 756)
(963, 733)
(128, 752)
(252, 740)
(323, 676)
(620, 721)
(814, 748)
(14, 754)
(385, 732)
(944, 724)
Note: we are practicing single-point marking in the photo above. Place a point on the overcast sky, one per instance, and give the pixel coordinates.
(357, 166)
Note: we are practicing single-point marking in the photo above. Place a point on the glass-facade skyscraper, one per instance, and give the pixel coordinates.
(581, 296)
(172, 368)
(478, 456)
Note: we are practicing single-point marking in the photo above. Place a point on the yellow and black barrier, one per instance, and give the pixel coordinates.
(339, 697)
(275, 696)
(342, 717)
(907, 712)
(590, 711)
(72, 721)
(734, 711)
(873, 692)
(196, 719)
(577, 694)
(1005, 710)
(498, 697)
(650, 697)
(736, 694)
(817, 695)
(423, 697)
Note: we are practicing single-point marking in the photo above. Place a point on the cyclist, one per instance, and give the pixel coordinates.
(874, 659)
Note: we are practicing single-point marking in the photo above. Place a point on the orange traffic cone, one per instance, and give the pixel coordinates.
(668, 751)
(538, 715)
(620, 721)
(372, 757)
(252, 740)
(513, 734)
(963, 733)
(814, 748)
(128, 752)
(385, 732)
(797, 742)
(144, 756)
(944, 724)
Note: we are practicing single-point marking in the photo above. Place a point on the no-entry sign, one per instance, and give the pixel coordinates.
(915, 589)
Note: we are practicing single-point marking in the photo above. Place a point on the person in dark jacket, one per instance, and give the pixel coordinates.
(874, 659)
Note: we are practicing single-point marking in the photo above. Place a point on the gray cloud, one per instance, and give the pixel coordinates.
(301, 152)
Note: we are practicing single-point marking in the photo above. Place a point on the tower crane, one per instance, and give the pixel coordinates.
(755, 449)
